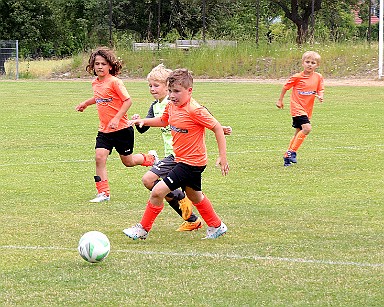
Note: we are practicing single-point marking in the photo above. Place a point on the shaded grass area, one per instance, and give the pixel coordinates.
(306, 235)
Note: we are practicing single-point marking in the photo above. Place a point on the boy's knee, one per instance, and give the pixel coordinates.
(147, 182)
(306, 129)
(100, 158)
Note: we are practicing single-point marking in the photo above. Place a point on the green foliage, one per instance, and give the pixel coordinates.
(308, 235)
(65, 27)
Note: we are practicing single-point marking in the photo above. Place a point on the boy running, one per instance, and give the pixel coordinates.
(113, 101)
(187, 120)
(305, 85)
(157, 81)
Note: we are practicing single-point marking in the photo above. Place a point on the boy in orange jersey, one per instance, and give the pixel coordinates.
(157, 81)
(187, 120)
(305, 85)
(112, 101)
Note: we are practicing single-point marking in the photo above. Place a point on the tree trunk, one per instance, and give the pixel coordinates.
(302, 32)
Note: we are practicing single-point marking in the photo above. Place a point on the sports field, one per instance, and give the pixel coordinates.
(308, 235)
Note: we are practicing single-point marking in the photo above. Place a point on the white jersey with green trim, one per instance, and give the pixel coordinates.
(158, 110)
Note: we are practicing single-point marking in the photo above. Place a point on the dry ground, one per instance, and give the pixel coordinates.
(333, 82)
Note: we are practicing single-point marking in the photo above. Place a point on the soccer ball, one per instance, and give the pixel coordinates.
(94, 246)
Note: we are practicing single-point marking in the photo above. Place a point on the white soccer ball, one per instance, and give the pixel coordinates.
(94, 246)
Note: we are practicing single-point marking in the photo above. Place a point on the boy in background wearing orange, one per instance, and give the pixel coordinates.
(113, 101)
(187, 120)
(306, 86)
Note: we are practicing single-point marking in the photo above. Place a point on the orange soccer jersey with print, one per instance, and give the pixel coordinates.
(110, 95)
(303, 94)
(188, 124)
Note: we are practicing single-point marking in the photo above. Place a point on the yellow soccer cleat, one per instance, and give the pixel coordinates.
(189, 226)
(185, 206)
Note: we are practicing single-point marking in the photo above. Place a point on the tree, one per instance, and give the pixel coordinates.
(300, 11)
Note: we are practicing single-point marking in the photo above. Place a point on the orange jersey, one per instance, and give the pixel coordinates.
(188, 124)
(303, 93)
(109, 96)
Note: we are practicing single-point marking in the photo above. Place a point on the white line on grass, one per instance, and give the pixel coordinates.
(210, 255)
(229, 152)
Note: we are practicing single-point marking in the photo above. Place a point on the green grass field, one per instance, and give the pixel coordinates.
(308, 235)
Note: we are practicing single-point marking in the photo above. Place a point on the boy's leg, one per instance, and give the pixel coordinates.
(216, 227)
(101, 178)
(206, 210)
(140, 159)
(154, 206)
(298, 141)
(177, 199)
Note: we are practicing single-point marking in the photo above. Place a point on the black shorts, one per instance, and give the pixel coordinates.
(122, 140)
(184, 175)
(164, 166)
(298, 121)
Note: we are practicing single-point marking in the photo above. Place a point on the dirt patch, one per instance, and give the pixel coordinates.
(330, 82)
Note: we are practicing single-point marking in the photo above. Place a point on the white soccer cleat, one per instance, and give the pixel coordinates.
(215, 232)
(100, 198)
(155, 155)
(136, 232)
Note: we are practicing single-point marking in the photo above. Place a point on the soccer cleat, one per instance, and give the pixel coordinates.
(292, 156)
(155, 156)
(215, 232)
(136, 232)
(287, 161)
(189, 226)
(100, 198)
(185, 206)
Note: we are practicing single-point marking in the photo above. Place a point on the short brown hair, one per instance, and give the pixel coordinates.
(181, 77)
(109, 56)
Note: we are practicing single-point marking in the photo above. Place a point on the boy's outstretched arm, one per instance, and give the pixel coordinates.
(151, 122)
(222, 145)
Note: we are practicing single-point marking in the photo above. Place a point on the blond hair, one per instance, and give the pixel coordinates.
(311, 55)
(159, 73)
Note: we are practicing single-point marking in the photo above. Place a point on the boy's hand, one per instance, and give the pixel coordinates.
(320, 97)
(223, 163)
(114, 123)
(139, 122)
(81, 107)
(280, 104)
(227, 130)
(135, 116)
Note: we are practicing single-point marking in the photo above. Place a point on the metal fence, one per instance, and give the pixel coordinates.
(9, 53)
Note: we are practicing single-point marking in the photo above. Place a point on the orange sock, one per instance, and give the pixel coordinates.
(148, 160)
(208, 213)
(103, 186)
(299, 139)
(291, 142)
(150, 214)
